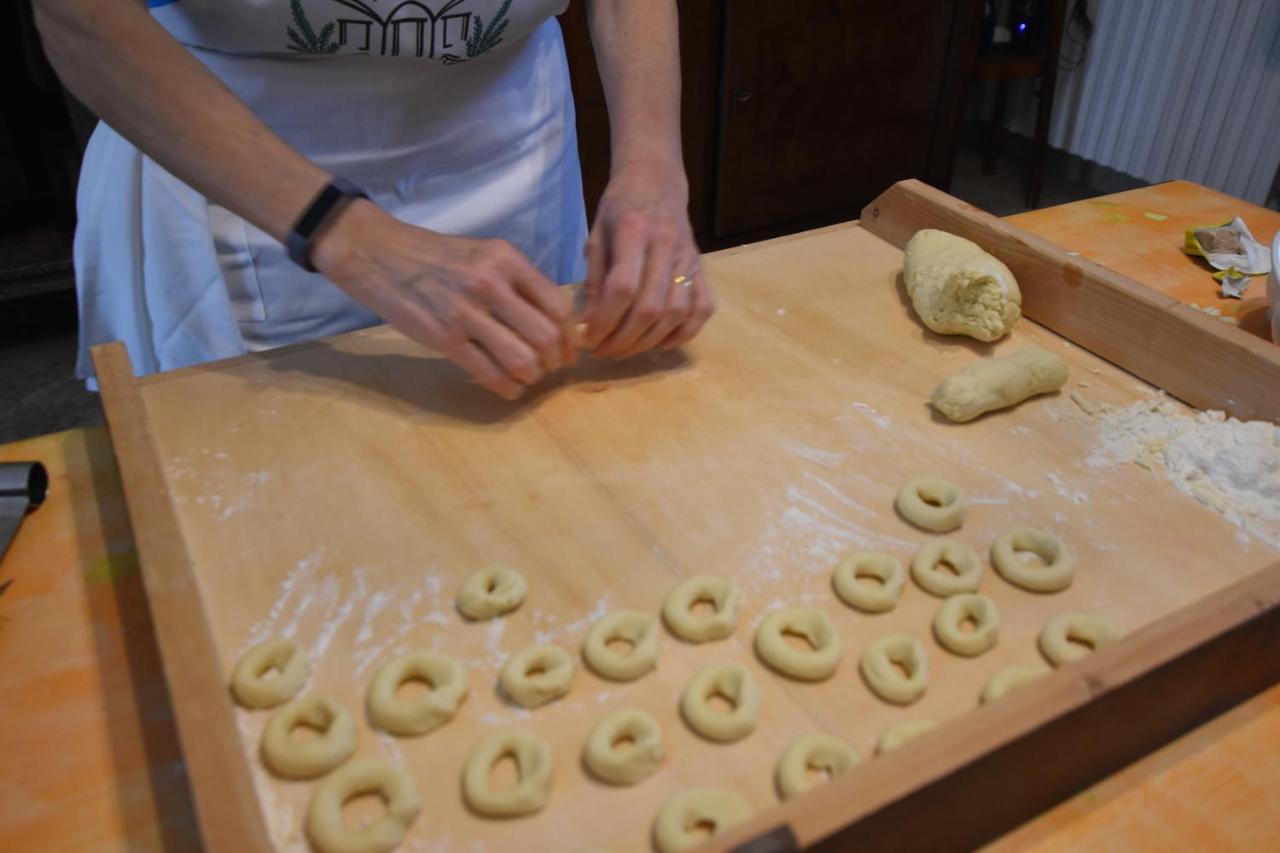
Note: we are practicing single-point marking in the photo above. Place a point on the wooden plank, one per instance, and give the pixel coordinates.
(1202, 361)
(228, 811)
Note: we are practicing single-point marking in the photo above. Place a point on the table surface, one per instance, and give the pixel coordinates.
(89, 727)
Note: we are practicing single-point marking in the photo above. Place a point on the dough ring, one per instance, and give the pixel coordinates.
(932, 504)
(885, 588)
(422, 713)
(254, 686)
(490, 592)
(681, 821)
(899, 733)
(533, 764)
(1056, 573)
(535, 676)
(813, 664)
(334, 743)
(723, 596)
(884, 677)
(927, 567)
(328, 830)
(732, 682)
(638, 629)
(1009, 679)
(624, 748)
(958, 609)
(818, 751)
(1065, 637)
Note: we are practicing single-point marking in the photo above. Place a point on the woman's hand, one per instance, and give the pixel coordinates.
(645, 283)
(479, 303)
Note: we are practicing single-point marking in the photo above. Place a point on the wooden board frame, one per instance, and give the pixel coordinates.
(951, 790)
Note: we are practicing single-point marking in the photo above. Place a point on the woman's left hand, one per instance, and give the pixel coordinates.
(645, 284)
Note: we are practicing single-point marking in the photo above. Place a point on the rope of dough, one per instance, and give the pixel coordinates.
(638, 629)
(955, 611)
(902, 733)
(327, 829)
(1011, 678)
(932, 503)
(679, 823)
(624, 748)
(537, 675)
(813, 664)
(1059, 566)
(252, 686)
(927, 571)
(732, 682)
(1069, 637)
(815, 751)
(333, 744)
(419, 714)
(997, 383)
(723, 596)
(884, 678)
(533, 764)
(869, 597)
(490, 592)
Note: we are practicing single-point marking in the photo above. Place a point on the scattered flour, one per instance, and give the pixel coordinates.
(1076, 497)
(874, 416)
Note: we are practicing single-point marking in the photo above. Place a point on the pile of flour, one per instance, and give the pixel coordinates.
(1230, 466)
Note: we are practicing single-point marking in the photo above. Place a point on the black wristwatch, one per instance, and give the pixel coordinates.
(336, 195)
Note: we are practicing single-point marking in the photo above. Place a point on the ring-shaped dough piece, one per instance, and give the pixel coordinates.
(1058, 568)
(1066, 636)
(885, 679)
(680, 822)
(878, 596)
(723, 596)
(638, 629)
(927, 570)
(326, 827)
(815, 751)
(532, 789)
(534, 676)
(624, 748)
(1011, 678)
(421, 713)
(334, 743)
(958, 609)
(734, 683)
(900, 733)
(932, 503)
(254, 688)
(812, 664)
(491, 591)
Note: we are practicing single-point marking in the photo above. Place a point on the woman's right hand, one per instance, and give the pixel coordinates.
(479, 303)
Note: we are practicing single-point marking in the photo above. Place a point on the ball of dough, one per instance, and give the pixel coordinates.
(416, 715)
(997, 383)
(1009, 679)
(490, 592)
(328, 830)
(532, 789)
(948, 624)
(815, 663)
(884, 589)
(958, 289)
(624, 748)
(733, 683)
(929, 567)
(535, 676)
(334, 743)
(932, 503)
(819, 752)
(901, 733)
(636, 629)
(1069, 637)
(1054, 574)
(680, 823)
(723, 596)
(880, 668)
(269, 674)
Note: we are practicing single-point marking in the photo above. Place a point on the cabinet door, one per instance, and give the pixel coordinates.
(826, 103)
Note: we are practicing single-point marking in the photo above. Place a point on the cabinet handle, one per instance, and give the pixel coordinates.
(743, 96)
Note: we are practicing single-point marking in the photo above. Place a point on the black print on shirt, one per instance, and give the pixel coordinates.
(448, 33)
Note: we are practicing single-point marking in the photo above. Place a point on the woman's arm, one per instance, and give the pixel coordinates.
(641, 251)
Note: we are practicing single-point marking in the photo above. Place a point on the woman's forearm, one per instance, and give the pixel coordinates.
(126, 68)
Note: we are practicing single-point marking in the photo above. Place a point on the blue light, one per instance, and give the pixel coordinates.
(1022, 27)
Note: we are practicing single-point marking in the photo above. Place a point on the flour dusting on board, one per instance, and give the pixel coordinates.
(874, 416)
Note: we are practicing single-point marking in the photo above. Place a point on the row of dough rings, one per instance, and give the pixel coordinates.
(683, 817)
(490, 592)
(818, 752)
(1069, 637)
(624, 748)
(633, 627)
(328, 830)
(958, 609)
(1054, 575)
(1011, 678)
(532, 789)
(723, 596)
(424, 712)
(901, 733)
(270, 674)
(334, 743)
(928, 571)
(932, 503)
(813, 664)
(537, 675)
(732, 682)
(884, 678)
(887, 579)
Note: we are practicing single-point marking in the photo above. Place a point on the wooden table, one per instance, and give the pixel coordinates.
(89, 729)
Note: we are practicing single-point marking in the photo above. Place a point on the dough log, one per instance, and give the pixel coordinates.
(958, 289)
(997, 383)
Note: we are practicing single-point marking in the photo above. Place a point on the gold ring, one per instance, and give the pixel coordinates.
(683, 281)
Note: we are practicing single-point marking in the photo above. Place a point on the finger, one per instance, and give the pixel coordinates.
(424, 328)
(650, 303)
(622, 279)
(533, 327)
(512, 354)
(485, 371)
(702, 308)
(679, 304)
(555, 304)
(597, 262)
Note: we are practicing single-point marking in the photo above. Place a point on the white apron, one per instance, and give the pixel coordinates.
(454, 115)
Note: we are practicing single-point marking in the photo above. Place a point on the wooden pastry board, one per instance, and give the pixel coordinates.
(338, 491)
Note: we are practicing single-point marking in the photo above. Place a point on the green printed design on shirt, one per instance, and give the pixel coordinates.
(305, 39)
(448, 32)
(484, 38)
